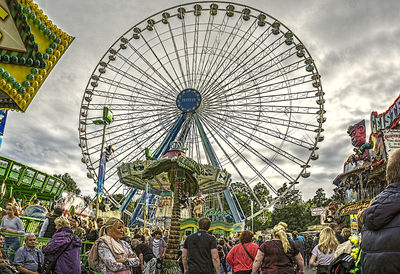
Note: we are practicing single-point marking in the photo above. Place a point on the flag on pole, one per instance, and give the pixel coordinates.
(147, 197)
(102, 173)
(3, 118)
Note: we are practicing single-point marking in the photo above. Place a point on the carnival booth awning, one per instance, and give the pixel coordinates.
(30, 46)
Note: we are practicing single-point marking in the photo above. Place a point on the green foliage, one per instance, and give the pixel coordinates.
(70, 184)
(320, 199)
(243, 194)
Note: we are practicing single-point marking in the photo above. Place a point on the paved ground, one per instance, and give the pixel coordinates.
(309, 271)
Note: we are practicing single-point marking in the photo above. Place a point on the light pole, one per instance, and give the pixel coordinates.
(107, 119)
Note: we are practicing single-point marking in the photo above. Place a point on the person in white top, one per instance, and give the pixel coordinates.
(324, 252)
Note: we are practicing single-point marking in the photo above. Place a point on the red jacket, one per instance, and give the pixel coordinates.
(239, 260)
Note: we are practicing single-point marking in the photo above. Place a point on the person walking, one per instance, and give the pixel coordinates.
(323, 253)
(380, 243)
(64, 248)
(12, 224)
(200, 254)
(276, 255)
(241, 256)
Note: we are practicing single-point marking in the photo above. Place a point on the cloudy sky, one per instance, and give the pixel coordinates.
(353, 42)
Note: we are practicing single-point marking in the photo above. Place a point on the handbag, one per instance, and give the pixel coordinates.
(48, 266)
(248, 254)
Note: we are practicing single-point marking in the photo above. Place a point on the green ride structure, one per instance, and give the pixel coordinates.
(26, 183)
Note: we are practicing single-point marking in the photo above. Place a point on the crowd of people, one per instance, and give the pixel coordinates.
(115, 248)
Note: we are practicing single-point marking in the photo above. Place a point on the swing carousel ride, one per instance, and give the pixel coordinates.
(202, 94)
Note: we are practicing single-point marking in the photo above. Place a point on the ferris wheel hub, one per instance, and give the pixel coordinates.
(188, 100)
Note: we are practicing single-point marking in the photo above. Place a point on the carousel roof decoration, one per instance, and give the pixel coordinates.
(204, 178)
(30, 47)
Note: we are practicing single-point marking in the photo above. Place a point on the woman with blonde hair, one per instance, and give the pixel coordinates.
(64, 248)
(276, 255)
(110, 254)
(324, 252)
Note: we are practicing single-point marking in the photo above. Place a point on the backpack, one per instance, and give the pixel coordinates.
(93, 256)
(342, 264)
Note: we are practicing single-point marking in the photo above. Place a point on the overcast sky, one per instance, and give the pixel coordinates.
(354, 44)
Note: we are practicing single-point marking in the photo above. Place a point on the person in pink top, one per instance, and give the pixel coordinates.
(241, 256)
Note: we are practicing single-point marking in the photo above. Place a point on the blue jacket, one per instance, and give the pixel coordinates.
(380, 234)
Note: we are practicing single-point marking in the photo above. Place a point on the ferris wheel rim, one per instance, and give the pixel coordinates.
(221, 2)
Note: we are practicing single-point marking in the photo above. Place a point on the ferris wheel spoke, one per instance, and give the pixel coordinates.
(275, 121)
(129, 156)
(245, 123)
(169, 59)
(218, 58)
(150, 88)
(195, 48)
(153, 68)
(261, 157)
(203, 52)
(263, 142)
(122, 86)
(162, 65)
(139, 134)
(237, 152)
(177, 55)
(120, 96)
(118, 128)
(247, 58)
(233, 59)
(211, 57)
(170, 90)
(134, 157)
(186, 55)
(292, 82)
(282, 97)
(255, 78)
(232, 163)
(127, 148)
(125, 97)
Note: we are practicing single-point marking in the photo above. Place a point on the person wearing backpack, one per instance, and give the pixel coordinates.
(109, 253)
(241, 256)
(64, 249)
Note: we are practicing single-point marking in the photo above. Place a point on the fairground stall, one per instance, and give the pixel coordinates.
(363, 174)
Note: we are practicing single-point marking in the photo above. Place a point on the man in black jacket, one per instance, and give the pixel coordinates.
(49, 227)
(380, 233)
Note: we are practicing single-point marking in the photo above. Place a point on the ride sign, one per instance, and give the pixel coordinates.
(188, 100)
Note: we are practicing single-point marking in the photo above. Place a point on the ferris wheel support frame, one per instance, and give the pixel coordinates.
(213, 159)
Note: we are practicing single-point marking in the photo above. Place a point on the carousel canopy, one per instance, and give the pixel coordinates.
(159, 174)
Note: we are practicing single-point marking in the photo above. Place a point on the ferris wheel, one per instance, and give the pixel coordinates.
(239, 88)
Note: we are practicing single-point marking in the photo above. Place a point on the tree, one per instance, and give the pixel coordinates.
(292, 196)
(338, 195)
(70, 184)
(319, 199)
(244, 196)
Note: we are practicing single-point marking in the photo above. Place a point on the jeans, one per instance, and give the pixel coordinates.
(12, 244)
